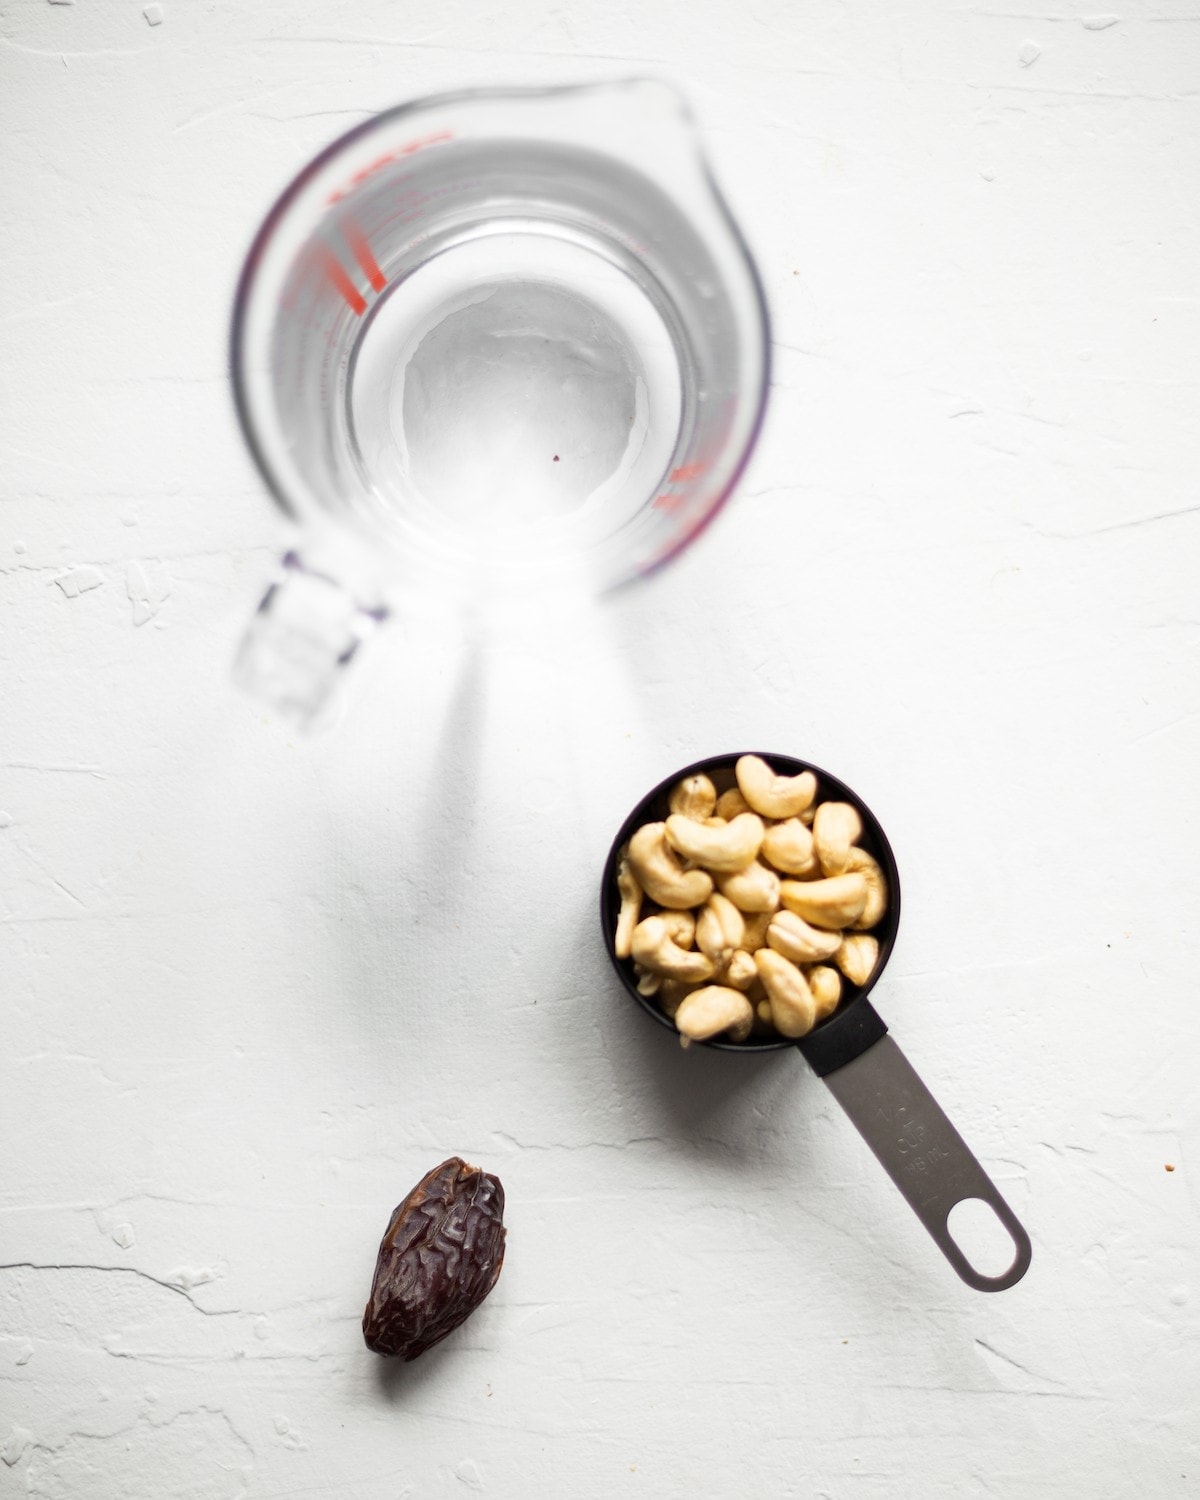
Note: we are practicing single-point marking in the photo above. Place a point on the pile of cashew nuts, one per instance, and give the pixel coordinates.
(743, 912)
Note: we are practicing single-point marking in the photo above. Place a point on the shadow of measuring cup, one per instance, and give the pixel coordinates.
(851, 1050)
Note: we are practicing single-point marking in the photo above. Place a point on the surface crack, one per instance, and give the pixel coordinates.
(170, 1286)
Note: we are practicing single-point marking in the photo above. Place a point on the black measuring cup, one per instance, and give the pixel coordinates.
(851, 1050)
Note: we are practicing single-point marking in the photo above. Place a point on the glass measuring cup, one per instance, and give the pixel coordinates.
(851, 1050)
(490, 346)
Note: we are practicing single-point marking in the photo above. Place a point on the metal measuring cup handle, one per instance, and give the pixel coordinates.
(906, 1128)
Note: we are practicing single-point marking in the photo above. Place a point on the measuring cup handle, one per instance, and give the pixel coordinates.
(305, 633)
(905, 1127)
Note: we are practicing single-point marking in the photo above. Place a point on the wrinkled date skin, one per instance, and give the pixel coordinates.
(439, 1259)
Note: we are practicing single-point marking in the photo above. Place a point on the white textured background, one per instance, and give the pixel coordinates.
(253, 987)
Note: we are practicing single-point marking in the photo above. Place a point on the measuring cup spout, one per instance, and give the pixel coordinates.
(644, 121)
(305, 633)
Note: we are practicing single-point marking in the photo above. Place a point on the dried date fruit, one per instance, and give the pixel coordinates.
(438, 1260)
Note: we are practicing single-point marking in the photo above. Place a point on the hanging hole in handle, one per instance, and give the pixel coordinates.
(982, 1237)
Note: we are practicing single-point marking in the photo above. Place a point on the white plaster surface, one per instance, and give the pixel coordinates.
(255, 985)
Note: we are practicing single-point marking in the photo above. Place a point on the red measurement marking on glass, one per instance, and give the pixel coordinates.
(357, 241)
(681, 484)
(436, 139)
(336, 273)
(687, 481)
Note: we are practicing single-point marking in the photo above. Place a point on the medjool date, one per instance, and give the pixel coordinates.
(438, 1260)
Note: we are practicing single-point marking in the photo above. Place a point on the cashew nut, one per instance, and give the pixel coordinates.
(654, 948)
(754, 933)
(731, 804)
(631, 904)
(727, 846)
(796, 939)
(826, 987)
(793, 1009)
(864, 864)
(707, 1012)
(741, 971)
(661, 875)
(719, 928)
(753, 889)
(681, 927)
(789, 847)
(773, 796)
(648, 983)
(836, 826)
(673, 993)
(857, 956)
(835, 902)
(694, 797)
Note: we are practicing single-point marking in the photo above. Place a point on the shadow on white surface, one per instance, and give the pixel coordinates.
(450, 804)
(400, 1382)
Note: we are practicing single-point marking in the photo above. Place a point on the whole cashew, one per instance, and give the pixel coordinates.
(707, 1012)
(661, 875)
(753, 889)
(719, 928)
(836, 826)
(648, 983)
(741, 971)
(773, 796)
(793, 1009)
(789, 847)
(655, 949)
(631, 905)
(835, 902)
(796, 939)
(857, 956)
(862, 863)
(731, 804)
(727, 847)
(693, 797)
(681, 926)
(826, 987)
